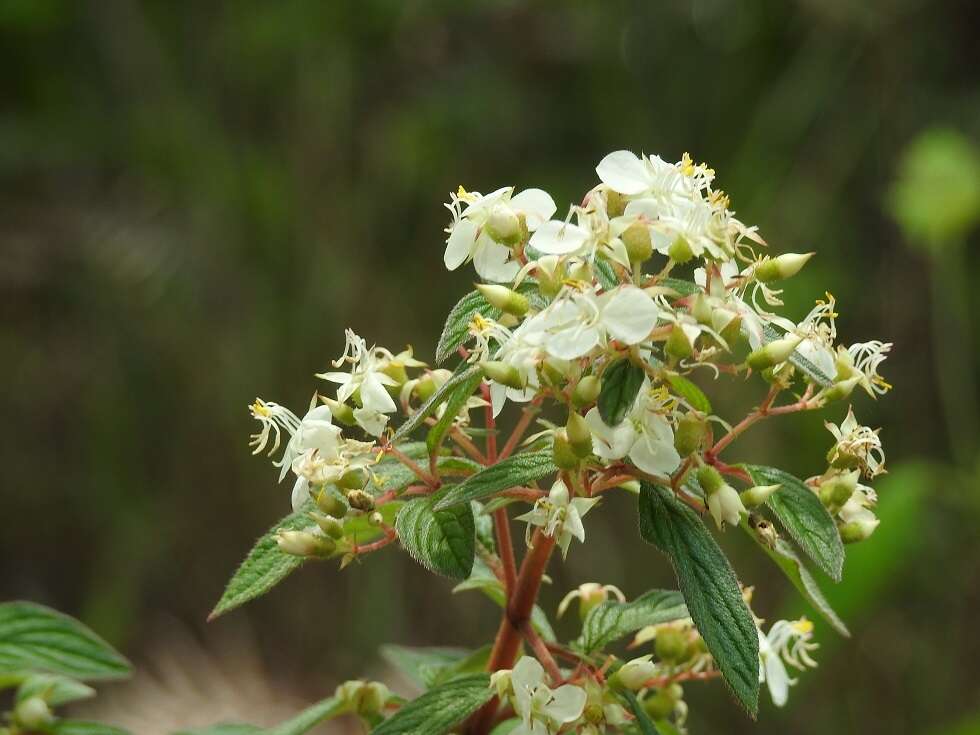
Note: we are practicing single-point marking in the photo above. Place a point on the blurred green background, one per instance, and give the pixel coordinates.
(196, 199)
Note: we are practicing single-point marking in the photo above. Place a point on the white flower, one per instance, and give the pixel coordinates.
(857, 446)
(579, 321)
(560, 514)
(725, 506)
(645, 435)
(484, 229)
(862, 359)
(366, 377)
(314, 432)
(627, 173)
(590, 594)
(559, 238)
(543, 711)
(788, 641)
(633, 674)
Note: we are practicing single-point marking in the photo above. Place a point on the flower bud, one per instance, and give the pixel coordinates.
(331, 526)
(774, 353)
(504, 225)
(430, 382)
(500, 682)
(565, 457)
(678, 345)
(636, 238)
(661, 704)
(757, 495)
(710, 479)
(615, 203)
(33, 714)
(724, 503)
(586, 391)
(360, 500)
(670, 644)
(304, 543)
(837, 490)
(341, 412)
(352, 480)
(501, 372)
(505, 299)
(579, 435)
(376, 519)
(690, 434)
(680, 251)
(330, 502)
(633, 674)
(397, 372)
(839, 390)
(786, 265)
(855, 531)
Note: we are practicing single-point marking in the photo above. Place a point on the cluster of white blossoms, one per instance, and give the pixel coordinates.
(609, 311)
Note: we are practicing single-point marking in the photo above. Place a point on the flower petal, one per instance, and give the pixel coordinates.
(629, 314)
(537, 206)
(624, 172)
(558, 238)
(491, 261)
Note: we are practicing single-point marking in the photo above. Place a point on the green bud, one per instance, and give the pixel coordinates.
(564, 456)
(690, 434)
(305, 543)
(586, 391)
(758, 495)
(732, 332)
(710, 479)
(680, 251)
(615, 203)
(33, 714)
(773, 353)
(678, 345)
(633, 674)
(331, 526)
(551, 374)
(501, 372)
(857, 531)
(701, 309)
(786, 265)
(505, 299)
(360, 500)
(504, 225)
(636, 238)
(341, 412)
(331, 502)
(353, 480)
(579, 435)
(837, 490)
(660, 705)
(840, 390)
(670, 645)
(396, 371)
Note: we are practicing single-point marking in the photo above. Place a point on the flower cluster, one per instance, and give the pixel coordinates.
(611, 315)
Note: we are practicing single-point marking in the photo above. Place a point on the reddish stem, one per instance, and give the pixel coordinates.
(518, 433)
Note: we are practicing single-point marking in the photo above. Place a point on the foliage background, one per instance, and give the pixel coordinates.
(196, 199)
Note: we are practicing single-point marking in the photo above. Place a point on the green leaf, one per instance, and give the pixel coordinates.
(612, 620)
(643, 721)
(36, 638)
(682, 287)
(53, 689)
(605, 274)
(804, 517)
(225, 728)
(461, 393)
(786, 558)
(620, 383)
(436, 711)
(690, 393)
(483, 579)
(428, 667)
(462, 375)
(265, 566)
(443, 541)
(520, 469)
(456, 330)
(818, 376)
(310, 717)
(709, 586)
(82, 727)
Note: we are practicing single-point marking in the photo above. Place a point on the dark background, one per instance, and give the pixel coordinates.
(197, 198)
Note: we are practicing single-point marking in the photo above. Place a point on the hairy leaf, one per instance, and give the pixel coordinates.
(690, 393)
(265, 566)
(682, 287)
(36, 638)
(804, 517)
(520, 469)
(461, 393)
(611, 620)
(443, 541)
(709, 586)
(620, 383)
(310, 717)
(786, 558)
(436, 711)
(428, 667)
(605, 274)
(464, 373)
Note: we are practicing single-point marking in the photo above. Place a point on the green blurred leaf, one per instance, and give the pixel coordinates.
(515, 471)
(83, 727)
(53, 689)
(226, 728)
(611, 620)
(709, 587)
(804, 517)
(786, 558)
(310, 717)
(690, 393)
(36, 638)
(621, 381)
(682, 287)
(427, 667)
(436, 711)
(460, 394)
(463, 374)
(443, 541)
